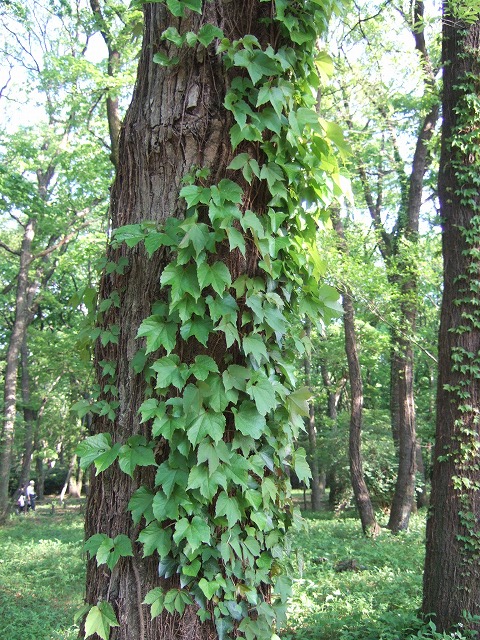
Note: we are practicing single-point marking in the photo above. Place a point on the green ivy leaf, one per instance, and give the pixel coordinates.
(155, 538)
(207, 452)
(155, 598)
(249, 421)
(100, 620)
(283, 587)
(200, 478)
(239, 161)
(93, 543)
(198, 328)
(195, 532)
(297, 401)
(324, 65)
(122, 547)
(149, 409)
(193, 194)
(131, 234)
(254, 344)
(228, 506)
(140, 504)
(269, 491)
(135, 453)
(263, 393)
(139, 361)
(202, 366)
(159, 333)
(301, 466)
(236, 240)
(207, 423)
(170, 372)
(104, 460)
(192, 569)
(252, 545)
(92, 448)
(110, 551)
(208, 33)
(217, 275)
(250, 221)
(209, 588)
(270, 119)
(235, 377)
(227, 191)
(167, 478)
(335, 133)
(165, 61)
(171, 34)
(197, 234)
(165, 508)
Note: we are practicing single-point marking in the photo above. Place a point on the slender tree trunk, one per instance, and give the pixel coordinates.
(70, 481)
(402, 273)
(452, 566)
(312, 434)
(40, 474)
(113, 65)
(395, 394)
(360, 490)
(404, 495)
(13, 353)
(422, 495)
(333, 398)
(176, 122)
(28, 416)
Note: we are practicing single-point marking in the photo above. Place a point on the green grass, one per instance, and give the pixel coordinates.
(42, 580)
(41, 575)
(378, 601)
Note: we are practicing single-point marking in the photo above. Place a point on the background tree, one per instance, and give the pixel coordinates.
(53, 177)
(392, 185)
(360, 489)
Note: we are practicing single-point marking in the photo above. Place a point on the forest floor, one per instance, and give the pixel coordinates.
(346, 587)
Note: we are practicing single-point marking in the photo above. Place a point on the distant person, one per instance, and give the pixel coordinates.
(21, 499)
(31, 495)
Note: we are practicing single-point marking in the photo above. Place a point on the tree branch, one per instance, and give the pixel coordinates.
(14, 252)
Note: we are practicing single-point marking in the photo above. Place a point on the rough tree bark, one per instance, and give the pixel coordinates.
(452, 568)
(176, 122)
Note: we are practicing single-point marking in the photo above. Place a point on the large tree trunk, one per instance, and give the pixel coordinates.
(360, 490)
(452, 567)
(176, 122)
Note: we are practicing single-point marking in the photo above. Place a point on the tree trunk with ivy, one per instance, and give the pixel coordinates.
(452, 567)
(176, 122)
(199, 413)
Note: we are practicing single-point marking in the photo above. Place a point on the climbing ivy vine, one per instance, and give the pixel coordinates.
(221, 503)
(465, 147)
